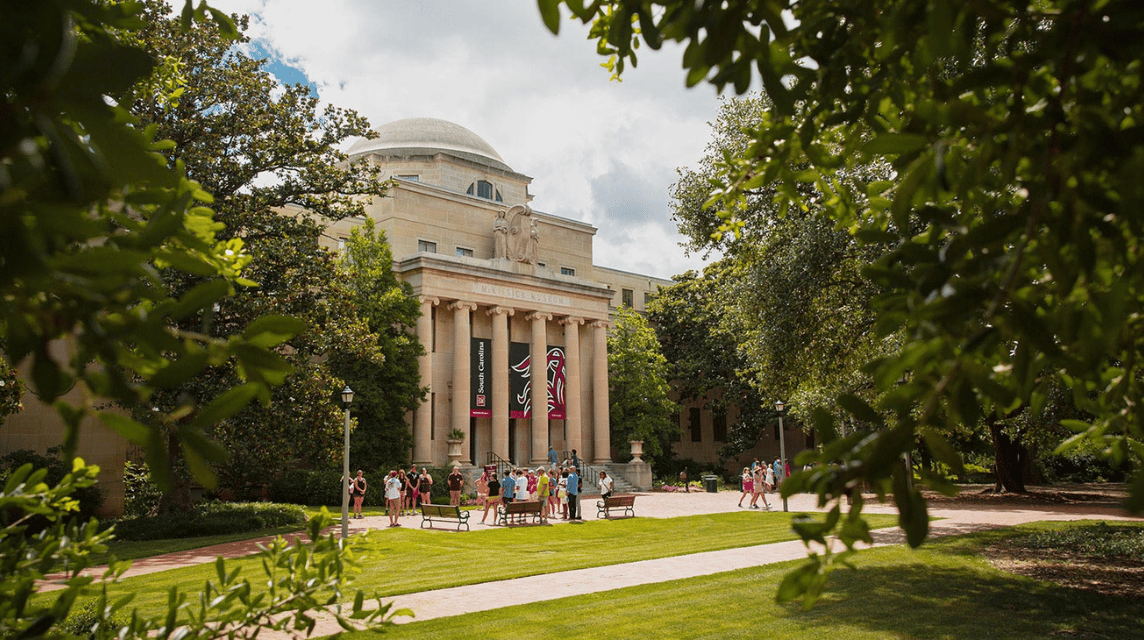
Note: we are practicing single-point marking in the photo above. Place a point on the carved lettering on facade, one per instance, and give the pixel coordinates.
(522, 295)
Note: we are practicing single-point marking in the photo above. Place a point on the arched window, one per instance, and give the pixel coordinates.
(484, 189)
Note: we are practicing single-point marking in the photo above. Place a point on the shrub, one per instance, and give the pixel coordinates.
(211, 519)
(141, 494)
(90, 498)
(1083, 466)
(322, 487)
(82, 623)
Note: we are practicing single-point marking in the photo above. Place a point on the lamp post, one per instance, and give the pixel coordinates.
(779, 406)
(347, 400)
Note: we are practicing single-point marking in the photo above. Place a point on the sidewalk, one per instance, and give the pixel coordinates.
(956, 519)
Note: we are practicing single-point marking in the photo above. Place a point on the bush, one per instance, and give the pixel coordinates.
(1083, 466)
(140, 493)
(90, 498)
(322, 487)
(82, 623)
(211, 519)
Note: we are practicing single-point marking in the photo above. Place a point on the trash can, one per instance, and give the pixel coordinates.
(712, 483)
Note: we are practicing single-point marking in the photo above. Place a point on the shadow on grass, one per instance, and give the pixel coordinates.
(967, 600)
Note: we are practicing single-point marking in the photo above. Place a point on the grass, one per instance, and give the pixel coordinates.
(944, 590)
(425, 560)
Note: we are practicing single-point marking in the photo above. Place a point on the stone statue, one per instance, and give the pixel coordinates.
(500, 231)
(523, 236)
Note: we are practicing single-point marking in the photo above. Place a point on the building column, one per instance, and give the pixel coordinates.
(423, 415)
(461, 366)
(538, 375)
(601, 427)
(572, 391)
(501, 391)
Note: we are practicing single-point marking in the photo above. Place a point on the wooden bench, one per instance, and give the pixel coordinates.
(444, 513)
(626, 502)
(519, 509)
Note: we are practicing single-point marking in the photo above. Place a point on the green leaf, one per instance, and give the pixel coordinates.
(271, 331)
(799, 582)
(226, 404)
(200, 297)
(858, 408)
(134, 431)
(894, 144)
(550, 13)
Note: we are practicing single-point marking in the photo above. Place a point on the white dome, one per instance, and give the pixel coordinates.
(418, 136)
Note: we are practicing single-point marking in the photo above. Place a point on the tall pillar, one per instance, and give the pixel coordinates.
(423, 416)
(572, 390)
(501, 391)
(601, 427)
(461, 366)
(538, 375)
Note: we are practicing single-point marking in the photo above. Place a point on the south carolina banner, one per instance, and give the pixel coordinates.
(480, 378)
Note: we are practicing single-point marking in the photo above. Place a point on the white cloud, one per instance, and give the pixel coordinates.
(542, 101)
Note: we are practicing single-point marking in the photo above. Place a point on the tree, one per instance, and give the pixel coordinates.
(384, 392)
(272, 160)
(695, 324)
(89, 214)
(1013, 129)
(638, 388)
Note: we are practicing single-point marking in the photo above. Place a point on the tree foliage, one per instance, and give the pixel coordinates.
(638, 388)
(1013, 128)
(384, 392)
(270, 156)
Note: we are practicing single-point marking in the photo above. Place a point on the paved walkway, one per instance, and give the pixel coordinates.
(956, 518)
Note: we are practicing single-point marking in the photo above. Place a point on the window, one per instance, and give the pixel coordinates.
(341, 245)
(678, 437)
(567, 271)
(424, 246)
(541, 264)
(464, 253)
(413, 178)
(627, 297)
(484, 189)
(647, 298)
(719, 426)
(696, 433)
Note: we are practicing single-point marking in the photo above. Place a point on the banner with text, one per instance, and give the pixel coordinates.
(480, 378)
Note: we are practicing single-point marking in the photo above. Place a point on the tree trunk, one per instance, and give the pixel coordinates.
(176, 499)
(1009, 456)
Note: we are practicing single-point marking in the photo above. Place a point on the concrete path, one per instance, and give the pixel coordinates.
(957, 518)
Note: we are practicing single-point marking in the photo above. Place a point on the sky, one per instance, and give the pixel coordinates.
(598, 151)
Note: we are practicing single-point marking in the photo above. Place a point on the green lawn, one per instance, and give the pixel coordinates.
(407, 560)
(944, 590)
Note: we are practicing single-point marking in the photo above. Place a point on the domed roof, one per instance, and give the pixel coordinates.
(418, 136)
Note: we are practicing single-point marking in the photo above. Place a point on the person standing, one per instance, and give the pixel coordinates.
(562, 494)
(508, 487)
(483, 488)
(606, 485)
(411, 494)
(573, 493)
(520, 487)
(551, 456)
(425, 486)
(769, 481)
(575, 461)
(455, 482)
(493, 498)
(777, 466)
(393, 497)
(542, 491)
(404, 490)
(357, 491)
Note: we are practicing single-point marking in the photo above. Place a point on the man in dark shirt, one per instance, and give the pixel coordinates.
(455, 482)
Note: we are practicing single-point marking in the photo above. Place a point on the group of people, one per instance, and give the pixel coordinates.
(759, 480)
(403, 492)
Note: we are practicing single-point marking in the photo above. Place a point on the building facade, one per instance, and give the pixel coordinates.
(509, 296)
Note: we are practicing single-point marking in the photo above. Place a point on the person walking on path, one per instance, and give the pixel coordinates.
(393, 497)
(747, 484)
(493, 498)
(573, 494)
(425, 486)
(357, 491)
(769, 480)
(455, 482)
(759, 488)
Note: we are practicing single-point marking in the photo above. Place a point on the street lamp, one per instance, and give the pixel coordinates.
(779, 406)
(347, 400)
